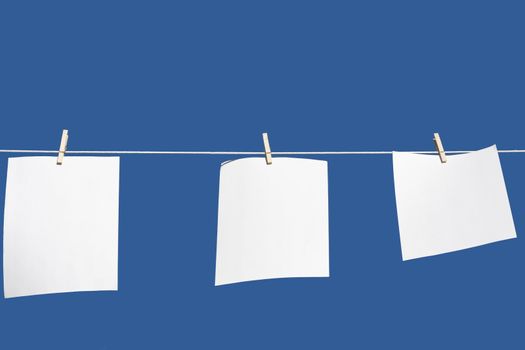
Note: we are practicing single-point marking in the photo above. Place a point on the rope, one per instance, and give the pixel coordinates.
(237, 153)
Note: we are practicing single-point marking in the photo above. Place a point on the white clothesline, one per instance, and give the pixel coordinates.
(238, 153)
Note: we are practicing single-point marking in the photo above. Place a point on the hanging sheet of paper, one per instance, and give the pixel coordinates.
(61, 225)
(444, 207)
(273, 220)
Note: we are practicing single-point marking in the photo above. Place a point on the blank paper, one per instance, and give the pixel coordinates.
(444, 207)
(273, 220)
(61, 225)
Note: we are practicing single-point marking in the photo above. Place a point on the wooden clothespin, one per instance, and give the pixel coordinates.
(63, 147)
(267, 150)
(439, 148)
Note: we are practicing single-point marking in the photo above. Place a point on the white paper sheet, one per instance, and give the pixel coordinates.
(273, 220)
(447, 207)
(61, 225)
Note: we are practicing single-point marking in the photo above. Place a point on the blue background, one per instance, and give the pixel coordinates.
(194, 75)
